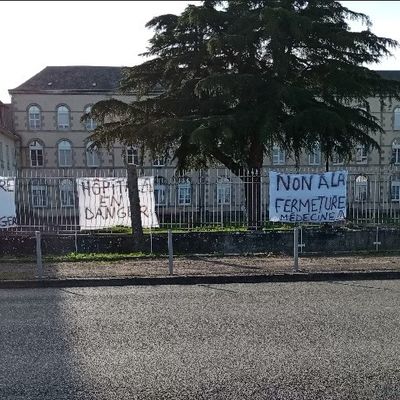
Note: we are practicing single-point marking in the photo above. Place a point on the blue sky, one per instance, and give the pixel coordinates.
(41, 33)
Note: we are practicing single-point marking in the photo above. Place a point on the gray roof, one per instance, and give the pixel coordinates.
(72, 79)
(393, 75)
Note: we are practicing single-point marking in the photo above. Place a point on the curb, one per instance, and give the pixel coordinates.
(202, 279)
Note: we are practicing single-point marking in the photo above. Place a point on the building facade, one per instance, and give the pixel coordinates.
(46, 116)
(9, 142)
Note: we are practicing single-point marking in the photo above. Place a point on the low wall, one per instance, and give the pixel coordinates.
(321, 242)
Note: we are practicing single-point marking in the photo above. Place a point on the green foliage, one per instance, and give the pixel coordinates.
(237, 76)
(77, 257)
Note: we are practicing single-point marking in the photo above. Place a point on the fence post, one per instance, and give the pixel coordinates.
(301, 244)
(296, 248)
(377, 242)
(39, 262)
(76, 241)
(170, 253)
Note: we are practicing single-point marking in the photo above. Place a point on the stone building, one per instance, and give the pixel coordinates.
(9, 142)
(46, 112)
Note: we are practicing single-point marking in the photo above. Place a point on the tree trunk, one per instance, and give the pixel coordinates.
(136, 218)
(252, 183)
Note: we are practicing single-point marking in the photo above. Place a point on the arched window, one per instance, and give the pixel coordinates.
(396, 119)
(64, 154)
(90, 124)
(39, 193)
(34, 117)
(159, 162)
(67, 193)
(62, 117)
(361, 154)
(223, 190)
(160, 191)
(1, 156)
(337, 159)
(395, 189)
(278, 155)
(361, 188)
(396, 151)
(184, 191)
(36, 154)
(132, 155)
(314, 157)
(92, 155)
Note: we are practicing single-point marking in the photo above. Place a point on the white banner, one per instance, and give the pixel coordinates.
(104, 202)
(8, 216)
(313, 198)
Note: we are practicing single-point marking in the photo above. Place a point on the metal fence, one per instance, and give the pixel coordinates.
(46, 199)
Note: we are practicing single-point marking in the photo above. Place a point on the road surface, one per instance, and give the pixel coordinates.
(325, 340)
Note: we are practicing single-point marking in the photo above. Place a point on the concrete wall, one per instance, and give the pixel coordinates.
(328, 242)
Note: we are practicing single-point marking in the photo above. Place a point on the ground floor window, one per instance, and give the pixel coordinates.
(39, 194)
(67, 193)
(360, 189)
(395, 191)
(184, 191)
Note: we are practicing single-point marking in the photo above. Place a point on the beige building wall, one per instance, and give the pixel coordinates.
(50, 135)
(8, 142)
(7, 153)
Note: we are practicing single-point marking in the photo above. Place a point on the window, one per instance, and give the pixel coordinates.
(36, 154)
(278, 155)
(90, 124)
(395, 191)
(67, 193)
(39, 194)
(62, 117)
(314, 157)
(92, 155)
(361, 154)
(8, 156)
(64, 154)
(160, 191)
(34, 117)
(337, 159)
(223, 190)
(184, 191)
(159, 162)
(396, 119)
(1, 156)
(360, 189)
(132, 155)
(396, 152)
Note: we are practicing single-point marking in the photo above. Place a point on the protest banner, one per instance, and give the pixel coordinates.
(104, 202)
(8, 216)
(315, 198)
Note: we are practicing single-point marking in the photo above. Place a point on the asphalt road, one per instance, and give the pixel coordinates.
(326, 340)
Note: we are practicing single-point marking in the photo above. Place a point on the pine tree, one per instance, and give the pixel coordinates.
(238, 76)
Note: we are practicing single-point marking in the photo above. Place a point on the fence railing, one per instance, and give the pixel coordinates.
(46, 199)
